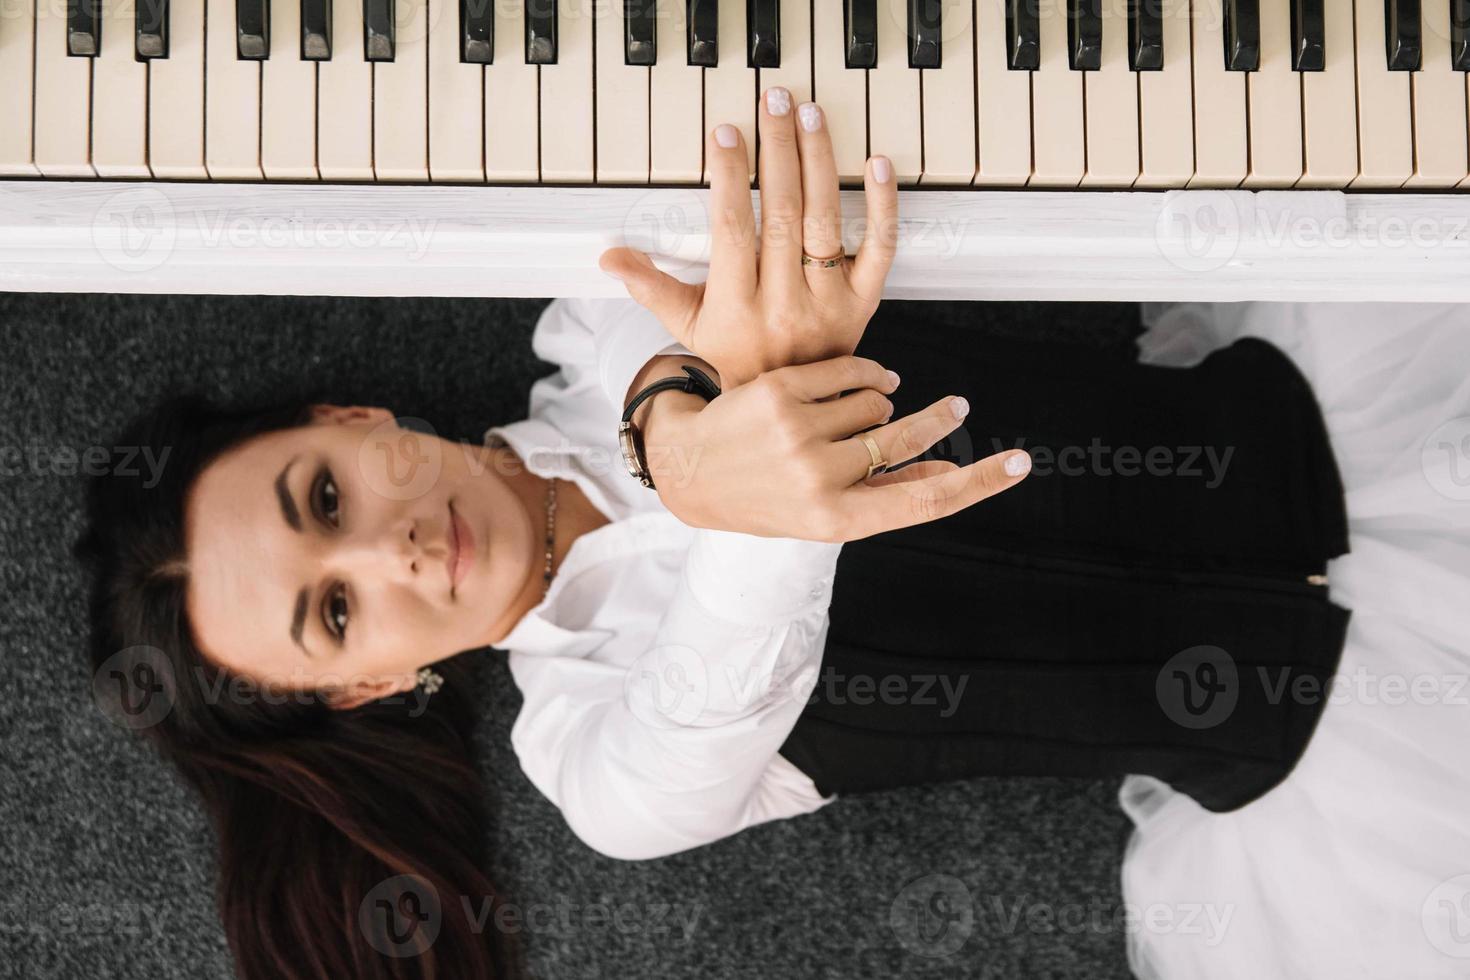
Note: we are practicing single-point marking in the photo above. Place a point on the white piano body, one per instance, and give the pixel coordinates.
(239, 164)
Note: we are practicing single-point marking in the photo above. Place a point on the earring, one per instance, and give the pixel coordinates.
(430, 681)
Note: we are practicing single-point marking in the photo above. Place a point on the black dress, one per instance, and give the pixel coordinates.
(1142, 603)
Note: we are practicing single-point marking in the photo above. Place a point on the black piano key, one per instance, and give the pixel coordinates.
(83, 28)
(1402, 30)
(252, 30)
(150, 29)
(925, 47)
(316, 30)
(1023, 35)
(1308, 35)
(540, 32)
(1460, 34)
(1084, 34)
(1145, 35)
(703, 19)
(762, 33)
(377, 30)
(860, 29)
(639, 37)
(1242, 35)
(477, 32)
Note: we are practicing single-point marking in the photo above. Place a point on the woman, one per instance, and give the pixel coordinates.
(671, 643)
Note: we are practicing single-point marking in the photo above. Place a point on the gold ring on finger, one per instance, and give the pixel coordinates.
(878, 464)
(822, 263)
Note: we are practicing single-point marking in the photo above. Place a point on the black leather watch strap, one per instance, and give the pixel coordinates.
(631, 440)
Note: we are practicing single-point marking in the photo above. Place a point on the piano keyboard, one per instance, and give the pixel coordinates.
(993, 93)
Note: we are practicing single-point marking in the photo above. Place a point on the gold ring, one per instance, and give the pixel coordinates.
(821, 263)
(878, 464)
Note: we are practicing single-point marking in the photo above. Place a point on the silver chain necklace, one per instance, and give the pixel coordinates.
(550, 533)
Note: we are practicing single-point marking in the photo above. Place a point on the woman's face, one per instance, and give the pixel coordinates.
(319, 556)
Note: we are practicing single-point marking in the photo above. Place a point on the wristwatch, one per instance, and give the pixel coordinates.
(631, 440)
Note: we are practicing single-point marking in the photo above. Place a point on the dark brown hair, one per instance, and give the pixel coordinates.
(349, 841)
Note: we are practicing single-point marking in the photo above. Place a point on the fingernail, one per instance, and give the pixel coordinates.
(882, 169)
(810, 116)
(778, 101)
(1019, 464)
(726, 135)
(893, 378)
(959, 406)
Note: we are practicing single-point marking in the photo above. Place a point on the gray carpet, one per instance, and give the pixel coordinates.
(107, 863)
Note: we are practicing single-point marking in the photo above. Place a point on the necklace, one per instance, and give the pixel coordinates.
(550, 533)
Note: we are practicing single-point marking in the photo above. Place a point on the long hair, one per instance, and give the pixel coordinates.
(349, 840)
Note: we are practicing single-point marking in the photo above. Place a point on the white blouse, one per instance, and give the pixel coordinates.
(666, 664)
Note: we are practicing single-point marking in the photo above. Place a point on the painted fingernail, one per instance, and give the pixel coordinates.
(726, 135)
(810, 116)
(1019, 464)
(959, 406)
(778, 101)
(882, 169)
(893, 378)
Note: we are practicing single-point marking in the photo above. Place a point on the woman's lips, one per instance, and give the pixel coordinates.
(462, 548)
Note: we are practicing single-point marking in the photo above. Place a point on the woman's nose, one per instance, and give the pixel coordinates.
(398, 551)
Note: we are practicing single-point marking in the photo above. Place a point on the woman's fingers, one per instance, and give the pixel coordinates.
(675, 303)
(732, 221)
(821, 217)
(875, 257)
(850, 414)
(820, 379)
(902, 439)
(922, 470)
(780, 177)
(867, 509)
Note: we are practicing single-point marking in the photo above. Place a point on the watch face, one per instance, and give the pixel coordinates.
(630, 452)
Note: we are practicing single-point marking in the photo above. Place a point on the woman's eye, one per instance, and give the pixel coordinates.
(337, 612)
(327, 502)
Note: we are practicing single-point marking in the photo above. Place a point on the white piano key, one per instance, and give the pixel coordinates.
(1220, 140)
(456, 100)
(1330, 106)
(796, 53)
(949, 100)
(344, 100)
(17, 72)
(566, 97)
(511, 101)
(231, 100)
(1110, 98)
(1275, 94)
(119, 98)
(63, 113)
(287, 100)
(1003, 100)
(622, 102)
(1439, 106)
(1385, 127)
(176, 98)
(401, 95)
(895, 107)
(842, 93)
(1166, 108)
(730, 87)
(675, 130)
(1058, 137)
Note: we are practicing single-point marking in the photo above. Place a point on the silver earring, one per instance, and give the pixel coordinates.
(430, 681)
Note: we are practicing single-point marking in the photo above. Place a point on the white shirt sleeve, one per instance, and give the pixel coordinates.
(685, 756)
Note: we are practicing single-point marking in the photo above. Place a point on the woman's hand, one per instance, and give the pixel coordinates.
(758, 313)
(772, 458)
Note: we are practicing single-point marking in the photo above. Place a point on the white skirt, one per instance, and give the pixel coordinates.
(1358, 865)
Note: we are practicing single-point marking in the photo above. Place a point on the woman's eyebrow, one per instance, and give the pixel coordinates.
(293, 518)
